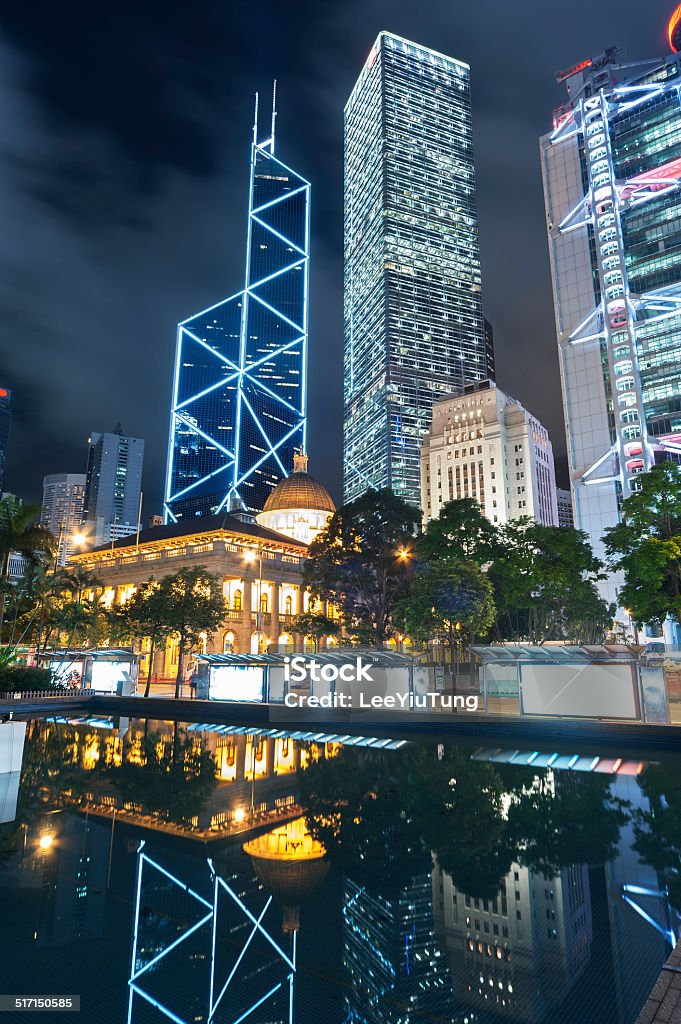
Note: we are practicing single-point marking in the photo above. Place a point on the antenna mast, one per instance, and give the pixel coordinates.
(255, 122)
(274, 113)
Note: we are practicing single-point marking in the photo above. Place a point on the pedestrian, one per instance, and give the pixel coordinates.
(192, 685)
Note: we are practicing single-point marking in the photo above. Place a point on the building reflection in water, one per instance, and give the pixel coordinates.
(496, 923)
(290, 865)
(519, 953)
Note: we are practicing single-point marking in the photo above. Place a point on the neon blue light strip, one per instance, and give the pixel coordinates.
(260, 461)
(209, 309)
(181, 885)
(263, 387)
(182, 417)
(257, 927)
(173, 945)
(250, 916)
(155, 1003)
(218, 355)
(136, 919)
(259, 425)
(206, 391)
(271, 355)
(280, 199)
(668, 935)
(283, 238)
(171, 438)
(203, 479)
(260, 1001)
(277, 273)
(276, 312)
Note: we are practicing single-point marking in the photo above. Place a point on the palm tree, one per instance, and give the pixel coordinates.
(20, 531)
(77, 579)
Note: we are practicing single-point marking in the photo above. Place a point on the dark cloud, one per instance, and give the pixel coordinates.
(123, 171)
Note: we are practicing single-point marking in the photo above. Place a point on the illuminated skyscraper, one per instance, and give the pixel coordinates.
(413, 314)
(113, 485)
(239, 398)
(612, 170)
(62, 512)
(5, 422)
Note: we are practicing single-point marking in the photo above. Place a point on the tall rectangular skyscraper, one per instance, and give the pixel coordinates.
(413, 310)
(62, 513)
(239, 400)
(5, 422)
(612, 171)
(113, 486)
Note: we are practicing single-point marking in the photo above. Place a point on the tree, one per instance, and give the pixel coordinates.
(646, 546)
(461, 531)
(315, 625)
(544, 580)
(449, 598)
(192, 604)
(20, 531)
(145, 614)
(361, 561)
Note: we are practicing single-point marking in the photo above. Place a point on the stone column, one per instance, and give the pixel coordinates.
(275, 612)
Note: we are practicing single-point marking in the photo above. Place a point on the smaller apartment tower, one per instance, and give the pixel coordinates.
(113, 486)
(484, 445)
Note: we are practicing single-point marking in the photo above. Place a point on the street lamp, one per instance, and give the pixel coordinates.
(45, 841)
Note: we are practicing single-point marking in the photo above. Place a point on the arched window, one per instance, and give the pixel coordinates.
(228, 643)
(264, 603)
(288, 605)
(236, 601)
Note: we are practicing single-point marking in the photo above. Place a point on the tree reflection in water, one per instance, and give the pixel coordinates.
(380, 815)
(168, 775)
(658, 828)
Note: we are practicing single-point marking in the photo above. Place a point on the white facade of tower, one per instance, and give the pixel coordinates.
(484, 445)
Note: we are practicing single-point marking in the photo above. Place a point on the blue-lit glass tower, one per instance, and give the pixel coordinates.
(239, 394)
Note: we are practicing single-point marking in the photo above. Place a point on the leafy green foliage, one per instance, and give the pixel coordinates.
(544, 580)
(315, 625)
(461, 532)
(361, 561)
(448, 599)
(646, 546)
(18, 678)
(377, 814)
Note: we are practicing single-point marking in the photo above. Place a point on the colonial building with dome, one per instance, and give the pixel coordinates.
(259, 563)
(299, 506)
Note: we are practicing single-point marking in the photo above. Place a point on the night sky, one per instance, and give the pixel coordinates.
(124, 134)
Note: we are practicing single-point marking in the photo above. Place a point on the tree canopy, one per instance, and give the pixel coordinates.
(646, 546)
(361, 561)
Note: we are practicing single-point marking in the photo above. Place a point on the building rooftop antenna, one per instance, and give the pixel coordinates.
(255, 122)
(274, 113)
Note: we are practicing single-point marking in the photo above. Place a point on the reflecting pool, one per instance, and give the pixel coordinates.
(170, 871)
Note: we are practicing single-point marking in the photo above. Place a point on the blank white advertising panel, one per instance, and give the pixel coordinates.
(579, 691)
(236, 682)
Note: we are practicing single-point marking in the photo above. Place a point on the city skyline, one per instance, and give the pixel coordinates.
(124, 180)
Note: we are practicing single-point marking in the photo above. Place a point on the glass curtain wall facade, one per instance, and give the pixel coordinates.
(239, 399)
(612, 168)
(413, 312)
(5, 423)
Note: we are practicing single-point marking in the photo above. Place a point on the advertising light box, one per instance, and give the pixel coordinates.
(106, 675)
(236, 682)
(68, 673)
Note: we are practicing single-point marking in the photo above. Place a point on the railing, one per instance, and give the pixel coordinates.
(39, 694)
